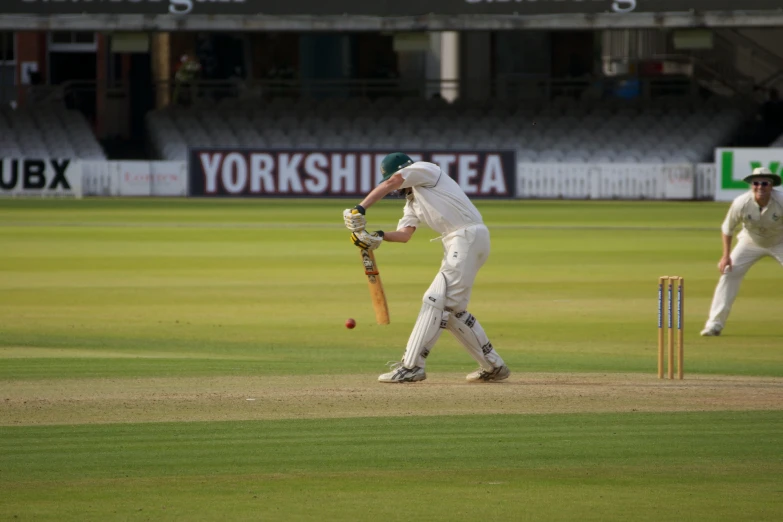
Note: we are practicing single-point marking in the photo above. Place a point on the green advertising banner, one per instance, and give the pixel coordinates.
(734, 164)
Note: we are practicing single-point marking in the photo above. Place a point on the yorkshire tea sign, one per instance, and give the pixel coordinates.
(731, 165)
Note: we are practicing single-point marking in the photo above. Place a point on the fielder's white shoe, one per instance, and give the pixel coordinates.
(711, 331)
(400, 373)
(482, 375)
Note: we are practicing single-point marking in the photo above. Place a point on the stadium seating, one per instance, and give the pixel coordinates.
(565, 130)
(47, 131)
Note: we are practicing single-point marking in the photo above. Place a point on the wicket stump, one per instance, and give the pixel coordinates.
(663, 280)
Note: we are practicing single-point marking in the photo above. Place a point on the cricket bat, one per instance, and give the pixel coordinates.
(377, 295)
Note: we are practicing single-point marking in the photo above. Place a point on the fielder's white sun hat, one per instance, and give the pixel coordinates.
(763, 172)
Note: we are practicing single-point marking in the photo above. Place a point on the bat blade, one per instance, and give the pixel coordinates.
(377, 294)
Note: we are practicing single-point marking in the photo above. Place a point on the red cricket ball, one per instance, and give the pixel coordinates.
(350, 324)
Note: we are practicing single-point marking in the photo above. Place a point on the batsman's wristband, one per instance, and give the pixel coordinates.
(379, 232)
(360, 209)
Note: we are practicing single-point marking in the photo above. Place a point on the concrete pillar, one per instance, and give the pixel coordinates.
(161, 68)
(449, 65)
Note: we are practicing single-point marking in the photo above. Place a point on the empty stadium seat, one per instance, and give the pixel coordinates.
(47, 131)
(563, 130)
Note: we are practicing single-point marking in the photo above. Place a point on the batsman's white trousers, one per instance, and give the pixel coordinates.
(464, 252)
(445, 303)
(745, 254)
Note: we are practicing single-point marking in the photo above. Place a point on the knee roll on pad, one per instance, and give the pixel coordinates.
(435, 296)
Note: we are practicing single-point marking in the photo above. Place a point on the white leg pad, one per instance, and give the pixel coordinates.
(429, 325)
(470, 334)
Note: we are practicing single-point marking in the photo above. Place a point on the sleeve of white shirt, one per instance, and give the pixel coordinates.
(409, 218)
(733, 217)
(420, 174)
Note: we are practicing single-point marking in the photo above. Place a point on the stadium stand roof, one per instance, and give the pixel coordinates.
(387, 15)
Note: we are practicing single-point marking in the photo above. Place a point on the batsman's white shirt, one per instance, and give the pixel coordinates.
(763, 227)
(437, 200)
(440, 203)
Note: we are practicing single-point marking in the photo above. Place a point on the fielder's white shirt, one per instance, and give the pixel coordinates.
(437, 200)
(764, 227)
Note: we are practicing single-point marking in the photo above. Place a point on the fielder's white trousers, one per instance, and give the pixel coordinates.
(745, 254)
(464, 253)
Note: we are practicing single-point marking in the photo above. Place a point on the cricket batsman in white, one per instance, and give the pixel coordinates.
(435, 199)
(760, 212)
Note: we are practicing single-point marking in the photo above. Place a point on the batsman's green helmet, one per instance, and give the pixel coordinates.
(394, 162)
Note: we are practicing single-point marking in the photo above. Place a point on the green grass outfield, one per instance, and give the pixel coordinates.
(187, 360)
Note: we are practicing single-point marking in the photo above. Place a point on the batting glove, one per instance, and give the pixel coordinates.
(354, 218)
(367, 241)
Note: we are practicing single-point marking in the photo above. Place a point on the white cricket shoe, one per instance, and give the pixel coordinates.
(711, 331)
(482, 375)
(400, 373)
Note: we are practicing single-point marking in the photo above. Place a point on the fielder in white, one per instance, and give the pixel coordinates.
(760, 211)
(434, 198)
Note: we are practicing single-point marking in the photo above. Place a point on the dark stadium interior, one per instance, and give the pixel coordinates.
(571, 95)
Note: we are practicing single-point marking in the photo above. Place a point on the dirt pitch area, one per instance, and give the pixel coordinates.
(84, 401)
